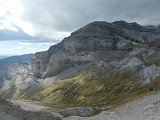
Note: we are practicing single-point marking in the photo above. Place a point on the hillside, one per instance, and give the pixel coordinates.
(13, 61)
(1, 57)
(8, 111)
(146, 108)
(101, 64)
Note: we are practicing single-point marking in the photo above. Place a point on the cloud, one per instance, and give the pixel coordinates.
(16, 47)
(57, 18)
(52, 20)
(14, 34)
(49, 16)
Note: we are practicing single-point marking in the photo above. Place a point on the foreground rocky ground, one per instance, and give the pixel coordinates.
(9, 111)
(146, 108)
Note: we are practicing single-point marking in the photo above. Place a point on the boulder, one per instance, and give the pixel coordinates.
(78, 111)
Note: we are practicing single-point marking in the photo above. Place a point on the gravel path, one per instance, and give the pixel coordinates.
(29, 106)
(146, 108)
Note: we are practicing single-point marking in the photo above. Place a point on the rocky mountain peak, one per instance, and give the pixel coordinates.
(132, 26)
(96, 28)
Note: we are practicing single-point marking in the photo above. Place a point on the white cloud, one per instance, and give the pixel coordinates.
(57, 18)
(10, 13)
(19, 48)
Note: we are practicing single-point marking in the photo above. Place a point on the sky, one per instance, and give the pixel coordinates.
(42, 23)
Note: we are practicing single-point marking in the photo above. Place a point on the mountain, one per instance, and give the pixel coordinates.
(15, 59)
(101, 64)
(96, 41)
(1, 57)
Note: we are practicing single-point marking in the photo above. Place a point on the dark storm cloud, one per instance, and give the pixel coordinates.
(68, 15)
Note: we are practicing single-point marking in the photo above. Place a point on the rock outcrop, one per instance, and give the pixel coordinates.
(78, 111)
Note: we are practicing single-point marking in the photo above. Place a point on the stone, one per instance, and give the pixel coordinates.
(78, 111)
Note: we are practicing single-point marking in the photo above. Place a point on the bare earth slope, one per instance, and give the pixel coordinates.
(146, 108)
(9, 111)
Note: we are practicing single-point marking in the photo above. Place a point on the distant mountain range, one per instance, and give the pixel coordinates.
(1, 57)
(4, 60)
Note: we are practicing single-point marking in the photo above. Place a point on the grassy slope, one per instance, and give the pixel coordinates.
(155, 83)
(91, 89)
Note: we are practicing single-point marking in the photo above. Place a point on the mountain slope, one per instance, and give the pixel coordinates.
(8, 111)
(12, 62)
(1, 57)
(146, 108)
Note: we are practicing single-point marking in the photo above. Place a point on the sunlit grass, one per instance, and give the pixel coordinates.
(91, 89)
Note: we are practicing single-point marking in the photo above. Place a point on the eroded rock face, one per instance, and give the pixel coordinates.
(131, 63)
(150, 73)
(40, 63)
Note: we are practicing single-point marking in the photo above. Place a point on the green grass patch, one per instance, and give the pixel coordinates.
(94, 89)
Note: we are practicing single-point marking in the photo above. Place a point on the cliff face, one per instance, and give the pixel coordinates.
(98, 46)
